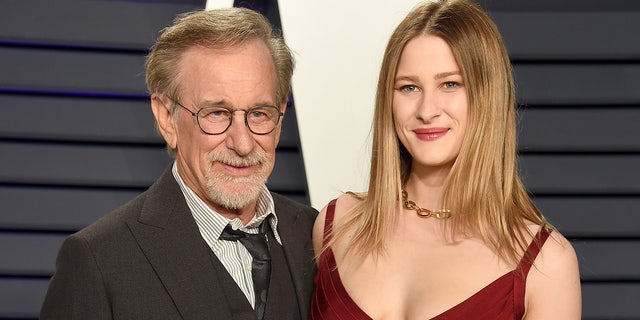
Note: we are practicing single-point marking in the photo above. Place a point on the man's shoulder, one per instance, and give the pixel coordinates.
(283, 203)
(291, 210)
(114, 222)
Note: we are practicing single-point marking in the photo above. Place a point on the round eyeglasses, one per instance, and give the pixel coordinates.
(215, 120)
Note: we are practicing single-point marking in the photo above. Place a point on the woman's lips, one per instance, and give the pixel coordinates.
(430, 134)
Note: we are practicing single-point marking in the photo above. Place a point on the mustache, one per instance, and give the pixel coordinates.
(229, 158)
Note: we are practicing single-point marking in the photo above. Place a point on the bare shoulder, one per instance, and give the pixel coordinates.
(559, 249)
(553, 284)
(343, 204)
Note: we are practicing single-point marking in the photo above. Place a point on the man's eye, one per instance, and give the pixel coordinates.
(257, 114)
(218, 113)
(215, 114)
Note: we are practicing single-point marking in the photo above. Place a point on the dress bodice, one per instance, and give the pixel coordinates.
(501, 299)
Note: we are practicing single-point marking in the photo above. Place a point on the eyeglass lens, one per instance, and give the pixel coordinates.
(260, 119)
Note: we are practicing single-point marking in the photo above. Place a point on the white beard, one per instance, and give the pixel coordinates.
(237, 192)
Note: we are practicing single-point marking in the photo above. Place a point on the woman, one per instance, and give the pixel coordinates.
(446, 229)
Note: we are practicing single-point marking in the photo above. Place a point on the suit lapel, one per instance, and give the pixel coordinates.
(171, 241)
(296, 243)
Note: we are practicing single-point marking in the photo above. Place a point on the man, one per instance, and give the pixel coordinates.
(219, 83)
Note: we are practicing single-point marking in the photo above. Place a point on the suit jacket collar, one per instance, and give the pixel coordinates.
(169, 238)
(171, 241)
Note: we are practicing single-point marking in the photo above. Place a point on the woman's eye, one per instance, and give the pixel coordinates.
(409, 88)
(450, 85)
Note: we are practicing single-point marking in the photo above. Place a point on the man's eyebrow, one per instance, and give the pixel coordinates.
(225, 103)
(208, 102)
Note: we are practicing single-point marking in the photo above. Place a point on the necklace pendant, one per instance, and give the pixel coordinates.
(423, 212)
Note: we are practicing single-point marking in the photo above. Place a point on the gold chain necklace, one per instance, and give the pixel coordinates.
(422, 212)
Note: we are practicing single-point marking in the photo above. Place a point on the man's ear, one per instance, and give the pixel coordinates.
(283, 108)
(161, 108)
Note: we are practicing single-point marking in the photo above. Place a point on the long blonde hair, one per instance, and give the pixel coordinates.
(483, 188)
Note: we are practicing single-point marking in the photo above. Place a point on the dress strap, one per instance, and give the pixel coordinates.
(328, 222)
(533, 250)
(520, 278)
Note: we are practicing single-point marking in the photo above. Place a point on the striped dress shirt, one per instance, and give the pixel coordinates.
(233, 255)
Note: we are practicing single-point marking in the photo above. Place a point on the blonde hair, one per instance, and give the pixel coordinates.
(483, 189)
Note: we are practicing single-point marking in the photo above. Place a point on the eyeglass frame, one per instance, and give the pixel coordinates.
(231, 111)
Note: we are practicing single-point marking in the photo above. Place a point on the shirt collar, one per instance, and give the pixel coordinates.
(211, 223)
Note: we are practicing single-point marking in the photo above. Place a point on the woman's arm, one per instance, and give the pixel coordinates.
(553, 285)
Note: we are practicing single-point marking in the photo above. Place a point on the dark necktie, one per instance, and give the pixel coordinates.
(258, 247)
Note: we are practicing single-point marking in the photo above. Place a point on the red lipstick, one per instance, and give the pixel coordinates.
(430, 134)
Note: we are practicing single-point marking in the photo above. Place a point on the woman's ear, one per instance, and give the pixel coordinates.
(161, 107)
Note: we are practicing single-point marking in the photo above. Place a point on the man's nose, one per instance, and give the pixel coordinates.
(239, 137)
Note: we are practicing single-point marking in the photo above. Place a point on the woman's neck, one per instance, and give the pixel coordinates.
(426, 187)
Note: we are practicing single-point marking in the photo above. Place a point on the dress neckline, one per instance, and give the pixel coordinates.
(362, 314)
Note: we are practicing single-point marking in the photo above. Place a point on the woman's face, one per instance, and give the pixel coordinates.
(429, 103)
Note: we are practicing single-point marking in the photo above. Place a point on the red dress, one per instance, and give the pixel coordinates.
(501, 299)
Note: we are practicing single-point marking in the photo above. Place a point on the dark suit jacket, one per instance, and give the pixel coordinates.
(147, 260)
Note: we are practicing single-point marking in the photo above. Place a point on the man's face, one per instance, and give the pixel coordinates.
(226, 170)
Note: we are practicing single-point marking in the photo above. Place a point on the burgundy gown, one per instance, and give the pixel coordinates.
(501, 299)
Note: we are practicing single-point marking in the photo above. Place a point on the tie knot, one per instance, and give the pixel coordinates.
(230, 234)
(256, 244)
